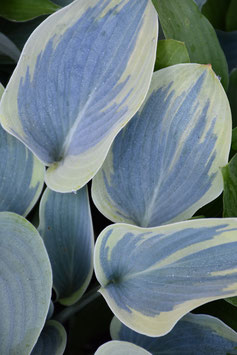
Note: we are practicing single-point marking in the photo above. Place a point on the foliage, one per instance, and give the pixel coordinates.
(103, 91)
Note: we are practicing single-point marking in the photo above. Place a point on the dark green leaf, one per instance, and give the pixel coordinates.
(19, 10)
(182, 20)
(231, 19)
(230, 188)
(215, 11)
(171, 52)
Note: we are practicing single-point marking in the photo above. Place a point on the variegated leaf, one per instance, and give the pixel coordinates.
(52, 340)
(151, 277)
(120, 348)
(82, 75)
(194, 334)
(21, 174)
(165, 164)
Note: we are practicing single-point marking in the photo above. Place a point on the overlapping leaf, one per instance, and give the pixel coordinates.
(182, 20)
(165, 164)
(25, 284)
(194, 334)
(22, 175)
(52, 340)
(171, 52)
(66, 227)
(120, 348)
(151, 277)
(8, 50)
(82, 75)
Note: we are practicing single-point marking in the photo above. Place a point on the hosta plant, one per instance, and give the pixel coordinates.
(97, 95)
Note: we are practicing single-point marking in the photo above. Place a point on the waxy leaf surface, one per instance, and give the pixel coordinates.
(52, 340)
(151, 277)
(66, 227)
(22, 174)
(82, 75)
(25, 284)
(165, 164)
(194, 334)
(120, 348)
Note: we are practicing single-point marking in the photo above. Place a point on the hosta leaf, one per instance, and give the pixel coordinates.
(228, 41)
(215, 11)
(19, 10)
(25, 284)
(230, 188)
(120, 348)
(171, 52)
(66, 227)
(82, 75)
(182, 20)
(150, 278)
(165, 164)
(52, 340)
(194, 334)
(8, 49)
(22, 175)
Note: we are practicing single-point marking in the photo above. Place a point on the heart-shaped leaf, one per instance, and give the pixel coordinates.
(82, 75)
(151, 277)
(120, 348)
(194, 334)
(165, 164)
(66, 227)
(52, 340)
(25, 284)
(22, 175)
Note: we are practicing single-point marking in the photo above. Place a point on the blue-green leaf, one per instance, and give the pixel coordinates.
(66, 227)
(82, 75)
(151, 277)
(230, 188)
(22, 175)
(25, 284)
(165, 164)
(120, 348)
(52, 340)
(8, 49)
(194, 334)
